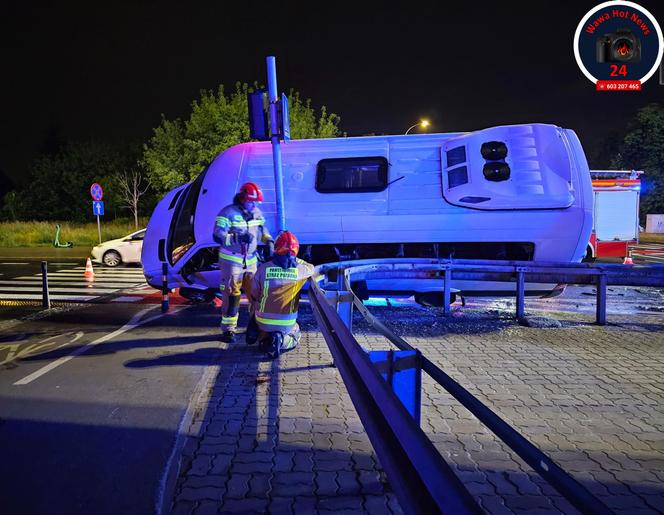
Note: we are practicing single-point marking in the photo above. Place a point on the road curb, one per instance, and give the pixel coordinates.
(190, 428)
(44, 253)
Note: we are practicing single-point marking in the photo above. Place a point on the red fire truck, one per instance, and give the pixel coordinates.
(615, 213)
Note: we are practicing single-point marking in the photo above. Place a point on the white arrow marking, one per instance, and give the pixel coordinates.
(134, 322)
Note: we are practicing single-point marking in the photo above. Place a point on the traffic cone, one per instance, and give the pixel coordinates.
(628, 260)
(89, 272)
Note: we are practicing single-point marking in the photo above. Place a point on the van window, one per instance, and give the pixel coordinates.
(351, 175)
(182, 229)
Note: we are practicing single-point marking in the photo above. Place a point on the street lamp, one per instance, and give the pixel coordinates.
(422, 123)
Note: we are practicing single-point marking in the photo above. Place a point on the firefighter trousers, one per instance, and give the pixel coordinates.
(234, 277)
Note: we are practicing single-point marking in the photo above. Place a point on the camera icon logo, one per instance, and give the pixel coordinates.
(621, 46)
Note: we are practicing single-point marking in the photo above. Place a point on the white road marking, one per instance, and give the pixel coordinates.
(71, 280)
(71, 285)
(121, 271)
(77, 290)
(77, 284)
(79, 273)
(7, 263)
(12, 352)
(134, 322)
(39, 346)
(29, 296)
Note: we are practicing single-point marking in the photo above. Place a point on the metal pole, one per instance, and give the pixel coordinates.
(46, 300)
(276, 146)
(164, 287)
(446, 291)
(99, 229)
(520, 294)
(601, 299)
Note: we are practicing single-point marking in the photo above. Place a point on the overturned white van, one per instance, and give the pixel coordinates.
(519, 192)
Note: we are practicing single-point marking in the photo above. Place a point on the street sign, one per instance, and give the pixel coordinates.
(98, 208)
(96, 192)
(284, 120)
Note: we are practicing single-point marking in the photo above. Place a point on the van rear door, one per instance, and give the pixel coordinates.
(616, 215)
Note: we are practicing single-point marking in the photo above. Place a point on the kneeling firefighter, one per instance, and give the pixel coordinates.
(238, 229)
(275, 295)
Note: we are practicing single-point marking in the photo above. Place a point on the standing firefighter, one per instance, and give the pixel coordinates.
(238, 230)
(275, 295)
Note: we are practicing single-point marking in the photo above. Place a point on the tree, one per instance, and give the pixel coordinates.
(643, 149)
(59, 184)
(178, 151)
(132, 187)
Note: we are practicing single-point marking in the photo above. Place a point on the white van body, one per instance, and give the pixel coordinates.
(435, 201)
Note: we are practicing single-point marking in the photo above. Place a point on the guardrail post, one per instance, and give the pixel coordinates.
(46, 300)
(402, 370)
(164, 287)
(446, 289)
(601, 299)
(342, 302)
(520, 293)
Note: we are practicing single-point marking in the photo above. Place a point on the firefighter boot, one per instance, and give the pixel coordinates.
(229, 319)
(251, 336)
(273, 344)
(228, 337)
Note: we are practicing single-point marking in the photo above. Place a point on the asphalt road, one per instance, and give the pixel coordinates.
(90, 408)
(12, 268)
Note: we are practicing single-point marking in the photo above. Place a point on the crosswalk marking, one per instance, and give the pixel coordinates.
(33, 282)
(27, 296)
(648, 253)
(71, 285)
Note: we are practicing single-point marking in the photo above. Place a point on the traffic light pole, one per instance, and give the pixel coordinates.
(276, 145)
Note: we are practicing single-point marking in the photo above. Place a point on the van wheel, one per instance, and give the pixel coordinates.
(588, 258)
(197, 296)
(433, 299)
(111, 258)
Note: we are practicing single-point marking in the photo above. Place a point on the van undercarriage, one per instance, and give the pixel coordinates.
(206, 259)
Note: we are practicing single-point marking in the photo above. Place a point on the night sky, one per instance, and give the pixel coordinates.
(106, 71)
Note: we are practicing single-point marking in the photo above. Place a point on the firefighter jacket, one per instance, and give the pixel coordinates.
(275, 292)
(231, 228)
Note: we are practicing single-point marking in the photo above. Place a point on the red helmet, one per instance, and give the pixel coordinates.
(250, 192)
(286, 244)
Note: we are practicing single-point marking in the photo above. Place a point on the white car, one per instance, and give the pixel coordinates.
(122, 250)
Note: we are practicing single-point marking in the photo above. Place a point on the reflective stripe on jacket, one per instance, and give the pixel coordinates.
(232, 222)
(275, 292)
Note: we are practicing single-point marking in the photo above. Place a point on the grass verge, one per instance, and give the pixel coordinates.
(42, 234)
(651, 237)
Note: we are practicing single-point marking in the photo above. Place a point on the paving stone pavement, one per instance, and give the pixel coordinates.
(590, 397)
(283, 436)
(280, 437)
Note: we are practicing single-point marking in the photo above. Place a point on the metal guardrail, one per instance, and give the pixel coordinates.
(519, 272)
(423, 480)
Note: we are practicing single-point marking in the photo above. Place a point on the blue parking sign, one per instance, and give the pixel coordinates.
(98, 207)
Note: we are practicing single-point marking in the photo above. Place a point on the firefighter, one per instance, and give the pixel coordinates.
(238, 229)
(275, 295)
